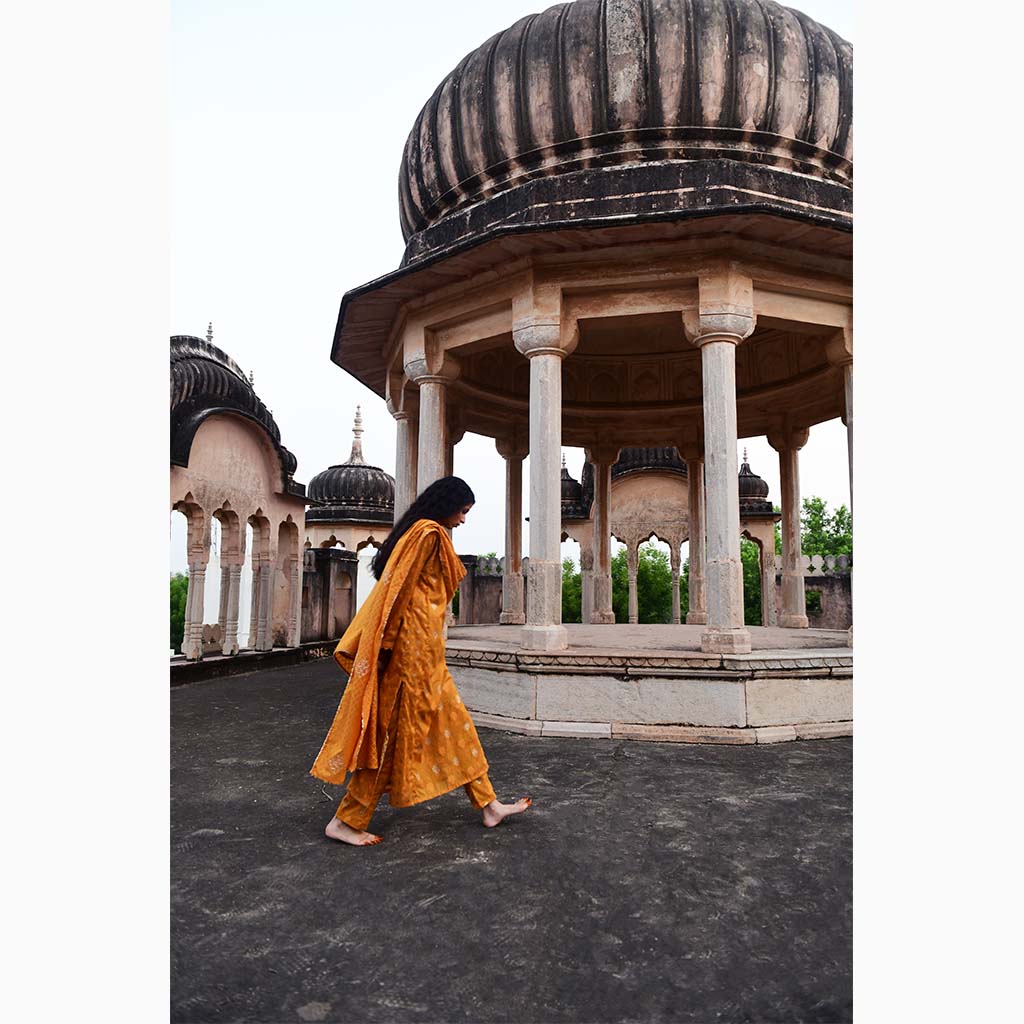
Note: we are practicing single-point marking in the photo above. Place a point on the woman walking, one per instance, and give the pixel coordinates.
(401, 727)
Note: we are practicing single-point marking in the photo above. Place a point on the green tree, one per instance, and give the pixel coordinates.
(179, 593)
(821, 532)
(750, 557)
(825, 533)
(572, 592)
(653, 586)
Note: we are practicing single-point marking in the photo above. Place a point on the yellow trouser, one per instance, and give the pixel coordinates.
(370, 784)
(354, 812)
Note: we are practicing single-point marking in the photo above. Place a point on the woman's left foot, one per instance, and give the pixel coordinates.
(496, 812)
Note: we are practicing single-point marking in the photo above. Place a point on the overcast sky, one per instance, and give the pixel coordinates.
(287, 126)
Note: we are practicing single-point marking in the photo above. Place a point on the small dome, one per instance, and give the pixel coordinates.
(573, 506)
(753, 492)
(353, 491)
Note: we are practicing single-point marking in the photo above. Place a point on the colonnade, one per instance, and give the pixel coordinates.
(268, 559)
(723, 320)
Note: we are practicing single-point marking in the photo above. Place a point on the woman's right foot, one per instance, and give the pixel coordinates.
(496, 812)
(337, 829)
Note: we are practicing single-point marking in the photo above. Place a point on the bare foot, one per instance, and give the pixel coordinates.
(337, 829)
(496, 812)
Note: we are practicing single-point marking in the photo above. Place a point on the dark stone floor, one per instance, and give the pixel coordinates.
(650, 882)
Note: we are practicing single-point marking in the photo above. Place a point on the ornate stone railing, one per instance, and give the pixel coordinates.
(826, 565)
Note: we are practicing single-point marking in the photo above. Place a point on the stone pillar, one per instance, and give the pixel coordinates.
(225, 587)
(541, 343)
(632, 563)
(295, 612)
(848, 420)
(432, 450)
(467, 590)
(788, 443)
(586, 583)
(513, 451)
(726, 318)
(234, 583)
(198, 558)
(673, 559)
(602, 459)
(265, 605)
(254, 604)
(405, 460)
(768, 617)
(839, 350)
(192, 642)
(697, 609)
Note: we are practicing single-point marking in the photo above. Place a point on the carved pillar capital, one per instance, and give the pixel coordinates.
(603, 454)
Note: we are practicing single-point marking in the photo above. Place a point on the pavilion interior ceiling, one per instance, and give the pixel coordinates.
(636, 379)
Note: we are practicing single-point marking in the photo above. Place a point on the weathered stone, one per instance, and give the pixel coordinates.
(512, 694)
(788, 701)
(775, 734)
(646, 700)
(524, 727)
(681, 734)
(582, 730)
(823, 730)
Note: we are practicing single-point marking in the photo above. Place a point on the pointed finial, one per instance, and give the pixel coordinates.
(744, 456)
(563, 460)
(250, 378)
(209, 332)
(356, 458)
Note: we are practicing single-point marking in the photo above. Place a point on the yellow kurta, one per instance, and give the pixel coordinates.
(436, 747)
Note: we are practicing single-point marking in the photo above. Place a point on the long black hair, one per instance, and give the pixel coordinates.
(441, 499)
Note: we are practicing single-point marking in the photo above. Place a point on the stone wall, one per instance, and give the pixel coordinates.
(836, 601)
(328, 592)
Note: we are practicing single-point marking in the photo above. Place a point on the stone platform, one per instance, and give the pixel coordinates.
(654, 683)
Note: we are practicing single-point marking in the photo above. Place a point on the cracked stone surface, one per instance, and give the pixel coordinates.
(650, 882)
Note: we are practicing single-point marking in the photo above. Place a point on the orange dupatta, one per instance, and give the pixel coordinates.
(351, 742)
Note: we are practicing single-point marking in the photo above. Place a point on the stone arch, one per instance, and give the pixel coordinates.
(262, 566)
(198, 554)
(365, 579)
(232, 555)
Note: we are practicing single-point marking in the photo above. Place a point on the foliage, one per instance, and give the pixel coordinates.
(750, 556)
(653, 586)
(572, 592)
(179, 593)
(821, 532)
(824, 533)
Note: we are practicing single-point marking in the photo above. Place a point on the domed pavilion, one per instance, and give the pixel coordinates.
(650, 498)
(353, 502)
(628, 223)
(228, 464)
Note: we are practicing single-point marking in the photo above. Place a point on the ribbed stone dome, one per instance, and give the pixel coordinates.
(636, 108)
(353, 491)
(573, 506)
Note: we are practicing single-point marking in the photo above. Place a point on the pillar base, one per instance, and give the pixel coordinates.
(789, 621)
(192, 651)
(725, 641)
(231, 649)
(602, 619)
(512, 618)
(697, 618)
(543, 638)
